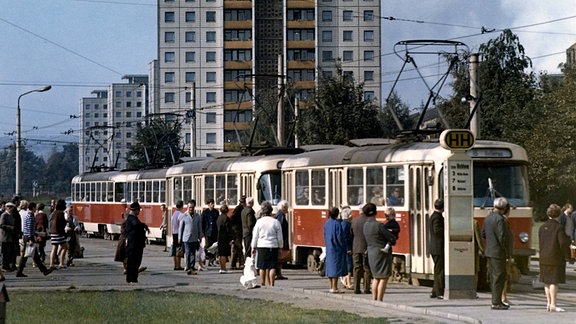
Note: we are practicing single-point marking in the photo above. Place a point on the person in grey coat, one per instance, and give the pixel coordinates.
(498, 237)
(190, 234)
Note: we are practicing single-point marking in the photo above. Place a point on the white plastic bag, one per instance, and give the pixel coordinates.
(30, 250)
(249, 279)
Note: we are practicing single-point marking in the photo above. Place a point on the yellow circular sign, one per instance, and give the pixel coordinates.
(457, 139)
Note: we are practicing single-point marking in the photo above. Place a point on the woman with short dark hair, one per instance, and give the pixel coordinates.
(336, 249)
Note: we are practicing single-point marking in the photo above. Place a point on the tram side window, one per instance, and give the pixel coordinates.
(232, 189)
(77, 196)
(93, 191)
(375, 185)
(155, 191)
(395, 180)
(119, 189)
(318, 187)
(220, 197)
(302, 188)
(110, 191)
(177, 190)
(187, 192)
(209, 187)
(162, 191)
(141, 192)
(148, 191)
(355, 186)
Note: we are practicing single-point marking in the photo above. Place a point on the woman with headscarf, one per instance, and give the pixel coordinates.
(336, 249)
(267, 240)
(346, 224)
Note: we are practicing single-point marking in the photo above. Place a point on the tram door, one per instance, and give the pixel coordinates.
(334, 193)
(246, 184)
(421, 206)
(197, 192)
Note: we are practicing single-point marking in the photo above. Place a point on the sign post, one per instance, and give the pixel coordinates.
(459, 214)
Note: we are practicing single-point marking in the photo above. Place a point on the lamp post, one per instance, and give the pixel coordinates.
(18, 137)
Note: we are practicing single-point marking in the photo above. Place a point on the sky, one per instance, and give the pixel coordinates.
(81, 45)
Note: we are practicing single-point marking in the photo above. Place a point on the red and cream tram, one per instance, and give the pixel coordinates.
(409, 178)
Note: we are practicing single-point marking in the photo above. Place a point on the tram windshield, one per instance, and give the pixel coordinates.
(270, 188)
(492, 181)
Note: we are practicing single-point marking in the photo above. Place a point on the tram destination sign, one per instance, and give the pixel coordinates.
(459, 177)
(457, 139)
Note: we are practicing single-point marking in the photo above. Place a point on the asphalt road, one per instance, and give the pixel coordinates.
(402, 303)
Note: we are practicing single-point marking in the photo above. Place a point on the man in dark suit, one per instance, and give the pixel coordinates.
(436, 248)
(359, 256)
(248, 221)
(135, 242)
(498, 237)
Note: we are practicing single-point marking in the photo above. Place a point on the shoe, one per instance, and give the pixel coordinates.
(142, 269)
(178, 268)
(433, 296)
(556, 309)
(47, 272)
(439, 297)
(281, 278)
(357, 292)
(189, 272)
(368, 292)
(506, 303)
(335, 291)
(223, 271)
(21, 275)
(499, 307)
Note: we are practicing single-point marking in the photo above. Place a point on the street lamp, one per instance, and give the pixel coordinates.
(18, 138)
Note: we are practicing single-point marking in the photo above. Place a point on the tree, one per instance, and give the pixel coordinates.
(157, 144)
(61, 167)
(389, 127)
(339, 113)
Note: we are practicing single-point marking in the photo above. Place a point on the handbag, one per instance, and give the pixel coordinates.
(513, 272)
(30, 250)
(180, 252)
(572, 251)
(285, 255)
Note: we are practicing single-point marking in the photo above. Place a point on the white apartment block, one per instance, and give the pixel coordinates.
(109, 123)
(222, 52)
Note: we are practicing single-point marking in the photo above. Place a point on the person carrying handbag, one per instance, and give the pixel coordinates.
(29, 239)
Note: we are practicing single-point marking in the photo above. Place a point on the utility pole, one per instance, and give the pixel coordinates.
(280, 124)
(474, 93)
(193, 123)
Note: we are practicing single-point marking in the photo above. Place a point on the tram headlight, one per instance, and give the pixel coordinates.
(524, 237)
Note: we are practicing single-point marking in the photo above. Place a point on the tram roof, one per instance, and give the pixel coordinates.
(243, 163)
(404, 152)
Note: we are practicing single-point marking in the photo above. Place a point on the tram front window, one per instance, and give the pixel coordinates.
(270, 187)
(492, 181)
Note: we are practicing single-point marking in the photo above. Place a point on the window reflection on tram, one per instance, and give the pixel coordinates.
(509, 181)
(269, 186)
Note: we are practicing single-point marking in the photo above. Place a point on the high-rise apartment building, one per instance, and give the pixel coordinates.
(109, 123)
(216, 57)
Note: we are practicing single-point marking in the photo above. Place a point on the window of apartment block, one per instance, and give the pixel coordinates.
(95, 115)
(128, 124)
(87, 124)
(169, 97)
(368, 75)
(169, 57)
(169, 37)
(128, 114)
(210, 36)
(139, 104)
(368, 95)
(210, 16)
(138, 94)
(348, 75)
(210, 97)
(187, 138)
(129, 94)
(347, 55)
(326, 15)
(211, 118)
(87, 106)
(169, 16)
(190, 16)
(327, 56)
(347, 15)
(190, 37)
(368, 15)
(138, 114)
(368, 55)
(237, 14)
(118, 93)
(87, 115)
(190, 56)
(327, 36)
(347, 36)
(210, 56)
(169, 77)
(211, 138)
(118, 114)
(96, 106)
(368, 35)
(190, 77)
(118, 104)
(128, 104)
(105, 115)
(210, 76)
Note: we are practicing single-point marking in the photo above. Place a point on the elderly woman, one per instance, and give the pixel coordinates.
(335, 250)
(554, 245)
(281, 217)
(225, 238)
(267, 240)
(346, 224)
(377, 237)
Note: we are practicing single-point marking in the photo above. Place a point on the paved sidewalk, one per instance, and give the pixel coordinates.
(402, 303)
